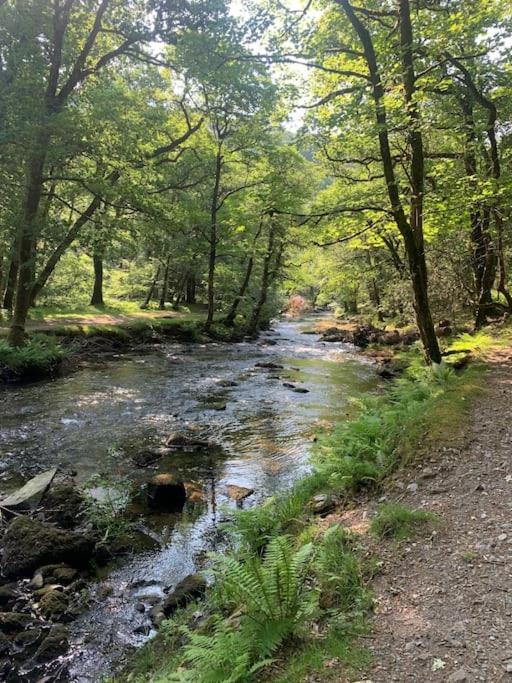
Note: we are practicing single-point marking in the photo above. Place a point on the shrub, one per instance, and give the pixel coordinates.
(40, 354)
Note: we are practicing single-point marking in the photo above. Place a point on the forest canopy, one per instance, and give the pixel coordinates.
(233, 155)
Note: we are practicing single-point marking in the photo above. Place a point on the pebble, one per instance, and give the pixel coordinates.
(502, 537)
(458, 676)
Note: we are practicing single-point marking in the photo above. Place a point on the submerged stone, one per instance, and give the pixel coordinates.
(166, 493)
(238, 493)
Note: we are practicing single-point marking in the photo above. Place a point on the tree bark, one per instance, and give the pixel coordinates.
(483, 257)
(190, 296)
(212, 238)
(229, 320)
(27, 240)
(151, 289)
(265, 282)
(10, 284)
(97, 292)
(165, 285)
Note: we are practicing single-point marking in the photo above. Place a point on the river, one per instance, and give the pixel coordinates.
(93, 420)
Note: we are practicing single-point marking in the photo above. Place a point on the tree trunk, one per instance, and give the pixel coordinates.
(10, 285)
(190, 296)
(230, 318)
(27, 237)
(212, 239)
(411, 231)
(151, 289)
(265, 282)
(165, 285)
(97, 291)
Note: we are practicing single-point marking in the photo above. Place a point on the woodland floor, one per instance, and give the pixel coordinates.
(96, 319)
(444, 601)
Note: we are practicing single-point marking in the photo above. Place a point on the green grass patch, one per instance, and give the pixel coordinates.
(397, 521)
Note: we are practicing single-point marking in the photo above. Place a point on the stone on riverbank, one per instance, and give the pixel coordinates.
(62, 504)
(29, 544)
(193, 587)
(54, 645)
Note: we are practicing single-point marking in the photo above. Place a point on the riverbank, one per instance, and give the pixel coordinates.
(57, 341)
(306, 561)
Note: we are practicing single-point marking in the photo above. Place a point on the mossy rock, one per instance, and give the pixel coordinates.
(14, 622)
(29, 544)
(53, 604)
(54, 645)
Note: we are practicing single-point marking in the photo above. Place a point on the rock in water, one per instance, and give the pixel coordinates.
(31, 493)
(166, 493)
(191, 588)
(238, 493)
(29, 544)
(178, 440)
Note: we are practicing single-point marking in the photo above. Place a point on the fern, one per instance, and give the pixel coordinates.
(272, 598)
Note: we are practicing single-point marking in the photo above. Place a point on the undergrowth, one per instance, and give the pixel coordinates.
(291, 595)
(40, 354)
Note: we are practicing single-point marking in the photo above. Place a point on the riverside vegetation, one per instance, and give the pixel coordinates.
(187, 171)
(295, 593)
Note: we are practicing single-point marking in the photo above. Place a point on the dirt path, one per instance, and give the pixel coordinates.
(444, 602)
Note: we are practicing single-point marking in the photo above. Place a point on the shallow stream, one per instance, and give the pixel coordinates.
(94, 420)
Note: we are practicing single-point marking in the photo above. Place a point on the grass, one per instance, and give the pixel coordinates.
(399, 522)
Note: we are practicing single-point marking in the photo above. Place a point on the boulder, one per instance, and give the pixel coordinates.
(54, 645)
(29, 495)
(58, 573)
(238, 493)
(195, 492)
(14, 622)
(390, 338)
(166, 493)
(29, 544)
(62, 504)
(193, 587)
(322, 504)
(8, 594)
(5, 644)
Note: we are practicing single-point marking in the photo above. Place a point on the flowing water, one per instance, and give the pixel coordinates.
(94, 420)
